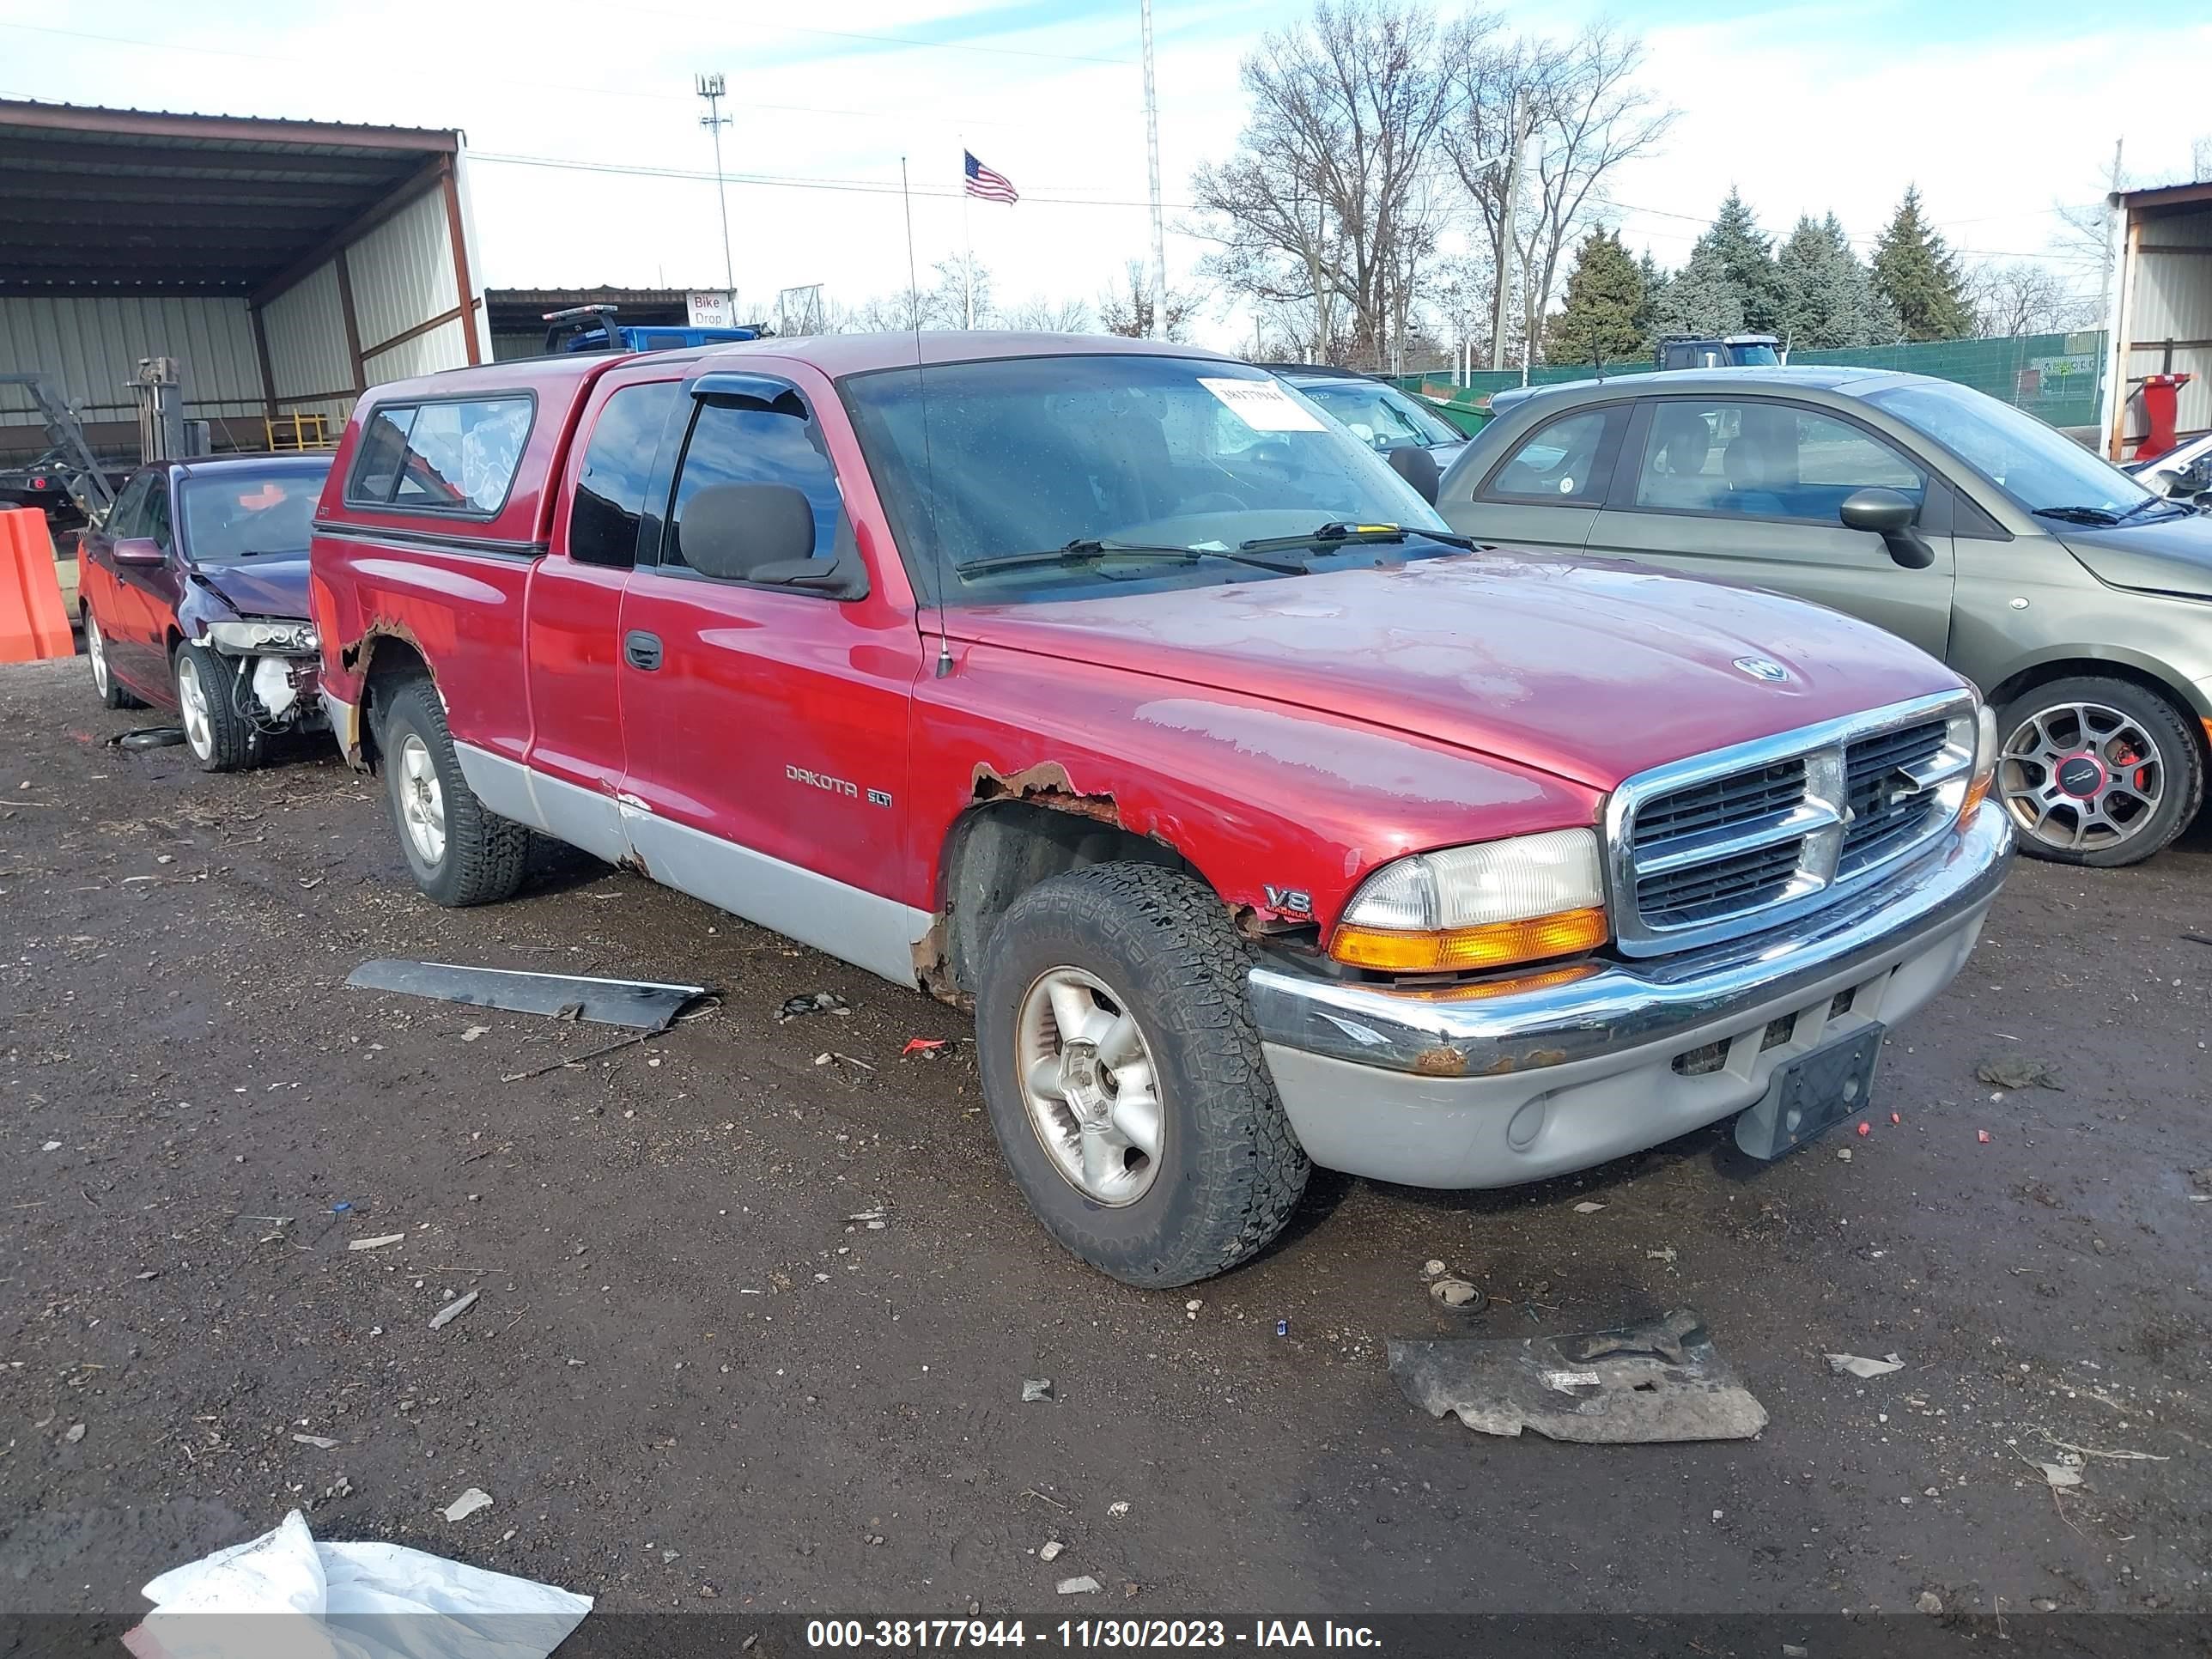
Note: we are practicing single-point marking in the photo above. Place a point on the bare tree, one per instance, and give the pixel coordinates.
(1579, 113)
(899, 312)
(1126, 308)
(2024, 296)
(1323, 204)
(1044, 315)
(963, 281)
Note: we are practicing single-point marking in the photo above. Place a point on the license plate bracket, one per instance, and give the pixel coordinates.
(1811, 1094)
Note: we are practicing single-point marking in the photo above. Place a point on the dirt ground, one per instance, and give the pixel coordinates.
(692, 1381)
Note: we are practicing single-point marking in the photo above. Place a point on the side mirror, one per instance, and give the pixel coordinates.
(136, 550)
(1418, 468)
(758, 532)
(1887, 514)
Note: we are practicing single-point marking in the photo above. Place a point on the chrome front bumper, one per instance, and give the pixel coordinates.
(1487, 1091)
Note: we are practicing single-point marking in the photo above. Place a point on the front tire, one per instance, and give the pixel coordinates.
(459, 851)
(1125, 1079)
(219, 738)
(2097, 772)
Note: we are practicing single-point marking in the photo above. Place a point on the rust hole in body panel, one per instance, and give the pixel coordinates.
(1046, 784)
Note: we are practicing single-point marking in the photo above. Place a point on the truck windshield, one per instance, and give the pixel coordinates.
(980, 462)
(1754, 357)
(2039, 467)
(234, 515)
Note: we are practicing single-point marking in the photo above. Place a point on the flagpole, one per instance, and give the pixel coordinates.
(967, 240)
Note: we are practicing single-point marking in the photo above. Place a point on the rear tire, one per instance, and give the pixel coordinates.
(459, 852)
(104, 683)
(1149, 958)
(217, 736)
(2097, 772)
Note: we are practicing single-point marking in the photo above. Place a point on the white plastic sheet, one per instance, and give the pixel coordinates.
(285, 1596)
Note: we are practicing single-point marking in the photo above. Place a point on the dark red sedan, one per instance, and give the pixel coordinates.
(194, 596)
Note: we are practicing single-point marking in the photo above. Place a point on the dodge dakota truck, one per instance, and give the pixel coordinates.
(1113, 690)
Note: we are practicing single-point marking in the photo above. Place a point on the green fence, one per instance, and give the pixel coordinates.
(2053, 376)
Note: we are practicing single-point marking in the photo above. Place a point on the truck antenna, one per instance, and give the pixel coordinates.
(928, 462)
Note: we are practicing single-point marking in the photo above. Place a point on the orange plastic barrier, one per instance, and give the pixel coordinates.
(32, 625)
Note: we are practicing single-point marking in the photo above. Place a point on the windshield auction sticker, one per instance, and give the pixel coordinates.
(1263, 405)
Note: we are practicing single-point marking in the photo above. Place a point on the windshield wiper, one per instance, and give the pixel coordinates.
(2078, 514)
(2144, 505)
(1329, 536)
(1086, 550)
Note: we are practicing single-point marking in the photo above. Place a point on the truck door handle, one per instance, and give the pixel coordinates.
(641, 650)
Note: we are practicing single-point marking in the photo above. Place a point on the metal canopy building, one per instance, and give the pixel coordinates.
(2162, 320)
(287, 265)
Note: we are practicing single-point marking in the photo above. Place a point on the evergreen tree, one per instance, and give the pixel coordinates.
(1701, 298)
(1745, 255)
(1601, 322)
(1827, 293)
(1647, 315)
(1914, 272)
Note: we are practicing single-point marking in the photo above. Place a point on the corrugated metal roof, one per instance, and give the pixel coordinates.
(149, 201)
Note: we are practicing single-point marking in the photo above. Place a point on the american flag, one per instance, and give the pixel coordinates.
(982, 181)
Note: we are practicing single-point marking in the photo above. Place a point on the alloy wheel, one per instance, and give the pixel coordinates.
(192, 704)
(95, 651)
(1091, 1088)
(421, 801)
(2081, 777)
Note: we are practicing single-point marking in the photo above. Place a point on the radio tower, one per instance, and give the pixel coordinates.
(1152, 160)
(710, 88)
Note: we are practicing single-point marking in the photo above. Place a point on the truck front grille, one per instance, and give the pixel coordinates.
(1884, 787)
(1724, 887)
(1725, 844)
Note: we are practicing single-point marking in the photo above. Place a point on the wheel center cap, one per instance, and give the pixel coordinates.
(1082, 1083)
(2081, 775)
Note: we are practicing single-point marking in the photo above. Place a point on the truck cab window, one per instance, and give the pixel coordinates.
(746, 443)
(448, 456)
(383, 447)
(617, 466)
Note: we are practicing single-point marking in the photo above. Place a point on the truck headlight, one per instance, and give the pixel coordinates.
(1490, 905)
(255, 638)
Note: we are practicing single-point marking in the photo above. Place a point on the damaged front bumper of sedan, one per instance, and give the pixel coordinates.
(279, 660)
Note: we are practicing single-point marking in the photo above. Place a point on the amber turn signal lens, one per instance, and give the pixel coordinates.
(1985, 763)
(1977, 793)
(1498, 944)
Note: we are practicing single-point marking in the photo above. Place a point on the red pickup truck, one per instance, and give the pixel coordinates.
(1115, 691)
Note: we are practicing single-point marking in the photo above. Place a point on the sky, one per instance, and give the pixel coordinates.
(1998, 112)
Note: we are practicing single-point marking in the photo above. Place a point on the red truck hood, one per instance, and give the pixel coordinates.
(1588, 670)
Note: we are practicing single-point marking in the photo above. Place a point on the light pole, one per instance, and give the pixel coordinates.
(710, 88)
(1504, 297)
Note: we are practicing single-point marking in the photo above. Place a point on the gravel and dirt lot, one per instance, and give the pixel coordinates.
(691, 1379)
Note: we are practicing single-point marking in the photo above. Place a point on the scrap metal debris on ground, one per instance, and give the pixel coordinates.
(1657, 1382)
(1852, 1364)
(813, 1002)
(634, 1004)
(365, 1600)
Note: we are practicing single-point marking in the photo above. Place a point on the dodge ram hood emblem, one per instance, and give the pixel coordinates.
(1762, 668)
